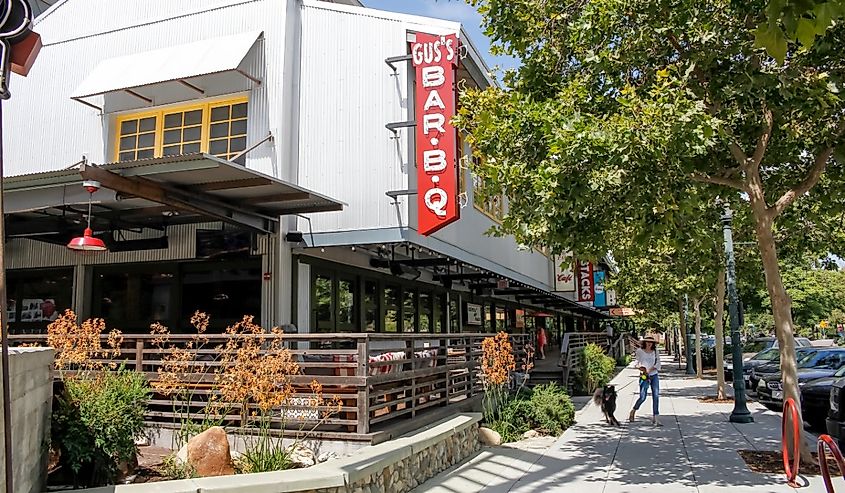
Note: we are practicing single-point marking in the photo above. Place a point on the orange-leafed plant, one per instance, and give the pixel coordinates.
(498, 359)
(252, 371)
(80, 346)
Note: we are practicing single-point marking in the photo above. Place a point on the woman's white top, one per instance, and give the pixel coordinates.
(648, 360)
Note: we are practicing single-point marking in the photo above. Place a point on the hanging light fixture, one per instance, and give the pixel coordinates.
(87, 242)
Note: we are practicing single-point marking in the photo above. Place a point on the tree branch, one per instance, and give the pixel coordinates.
(763, 140)
(718, 180)
(806, 184)
(809, 181)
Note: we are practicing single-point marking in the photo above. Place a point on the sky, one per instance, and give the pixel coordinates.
(453, 10)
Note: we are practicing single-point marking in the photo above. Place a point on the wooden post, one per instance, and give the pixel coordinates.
(363, 400)
(139, 355)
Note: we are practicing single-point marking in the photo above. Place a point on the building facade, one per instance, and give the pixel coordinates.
(263, 161)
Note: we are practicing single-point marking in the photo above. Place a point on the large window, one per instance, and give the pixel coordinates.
(217, 128)
(131, 297)
(490, 204)
(37, 297)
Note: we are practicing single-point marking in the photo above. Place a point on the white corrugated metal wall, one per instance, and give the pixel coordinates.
(348, 95)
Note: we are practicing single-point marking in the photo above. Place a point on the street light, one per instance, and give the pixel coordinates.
(740, 413)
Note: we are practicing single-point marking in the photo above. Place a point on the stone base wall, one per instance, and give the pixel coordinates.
(412, 471)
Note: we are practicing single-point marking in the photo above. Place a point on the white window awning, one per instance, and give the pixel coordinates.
(204, 68)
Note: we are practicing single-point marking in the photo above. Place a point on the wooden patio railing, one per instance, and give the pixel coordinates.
(377, 378)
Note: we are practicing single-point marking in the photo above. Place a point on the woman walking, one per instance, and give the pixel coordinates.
(648, 360)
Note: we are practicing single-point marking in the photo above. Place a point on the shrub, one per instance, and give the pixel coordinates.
(547, 408)
(96, 421)
(552, 409)
(625, 360)
(596, 368)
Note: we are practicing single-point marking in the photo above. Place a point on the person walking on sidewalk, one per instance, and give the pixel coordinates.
(648, 360)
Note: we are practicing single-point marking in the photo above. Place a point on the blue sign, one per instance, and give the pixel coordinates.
(601, 295)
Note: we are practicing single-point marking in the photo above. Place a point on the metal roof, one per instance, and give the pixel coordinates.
(189, 188)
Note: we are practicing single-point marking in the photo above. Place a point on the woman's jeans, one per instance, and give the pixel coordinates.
(654, 382)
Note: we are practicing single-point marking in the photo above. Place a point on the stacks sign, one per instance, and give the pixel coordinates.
(586, 289)
(19, 45)
(435, 58)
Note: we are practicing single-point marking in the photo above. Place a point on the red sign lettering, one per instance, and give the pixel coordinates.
(435, 58)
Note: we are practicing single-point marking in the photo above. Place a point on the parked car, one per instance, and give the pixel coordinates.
(835, 422)
(803, 357)
(766, 356)
(821, 364)
(758, 344)
(816, 399)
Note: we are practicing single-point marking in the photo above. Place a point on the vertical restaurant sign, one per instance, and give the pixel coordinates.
(598, 289)
(564, 276)
(611, 297)
(435, 58)
(586, 290)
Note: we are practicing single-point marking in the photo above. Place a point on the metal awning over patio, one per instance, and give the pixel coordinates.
(154, 193)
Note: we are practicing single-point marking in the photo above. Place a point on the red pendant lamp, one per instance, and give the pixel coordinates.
(87, 242)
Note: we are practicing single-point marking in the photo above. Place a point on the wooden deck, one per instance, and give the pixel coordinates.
(386, 383)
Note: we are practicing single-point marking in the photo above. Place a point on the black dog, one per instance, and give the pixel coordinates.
(606, 397)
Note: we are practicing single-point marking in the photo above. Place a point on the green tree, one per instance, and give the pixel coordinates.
(621, 107)
(796, 21)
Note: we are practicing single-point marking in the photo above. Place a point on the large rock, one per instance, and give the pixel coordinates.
(208, 453)
(528, 435)
(489, 437)
(302, 456)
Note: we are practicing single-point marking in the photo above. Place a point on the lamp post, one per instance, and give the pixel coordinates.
(740, 413)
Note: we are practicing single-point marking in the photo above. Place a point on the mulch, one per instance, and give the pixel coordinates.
(768, 462)
(712, 400)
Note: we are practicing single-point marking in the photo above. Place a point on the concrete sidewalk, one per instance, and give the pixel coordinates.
(695, 450)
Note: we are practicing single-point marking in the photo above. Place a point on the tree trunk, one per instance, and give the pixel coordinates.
(696, 306)
(782, 313)
(683, 323)
(719, 324)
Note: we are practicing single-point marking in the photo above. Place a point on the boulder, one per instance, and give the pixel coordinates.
(530, 434)
(489, 437)
(301, 456)
(208, 453)
(326, 456)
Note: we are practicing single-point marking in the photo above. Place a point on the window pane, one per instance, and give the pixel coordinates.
(172, 137)
(391, 313)
(439, 303)
(128, 127)
(345, 302)
(219, 130)
(127, 143)
(133, 299)
(409, 311)
(191, 134)
(148, 124)
(237, 144)
(193, 117)
(241, 160)
(425, 312)
(127, 156)
(145, 154)
(191, 148)
(390, 316)
(226, 293)
(370, 306)
(239, 110)
(239, 127)
(146, 140)
(218, 147)
(323, 299)
(173, 120)
(41, 296)
(171, 150)
(219, 113)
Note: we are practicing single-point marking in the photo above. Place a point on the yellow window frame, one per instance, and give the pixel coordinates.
(159, 113)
